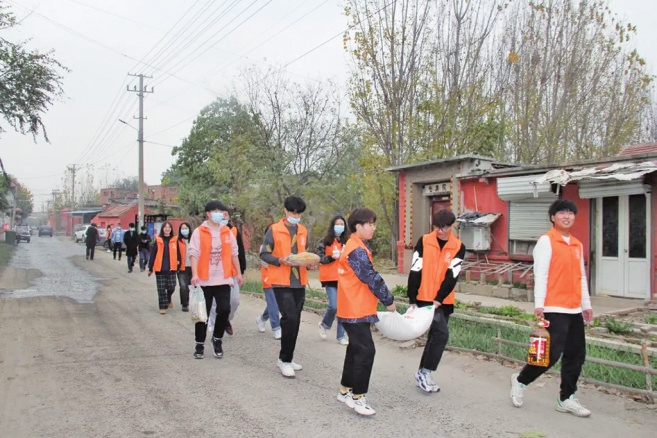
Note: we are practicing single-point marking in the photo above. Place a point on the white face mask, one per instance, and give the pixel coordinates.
(293, 220)
(185, 233)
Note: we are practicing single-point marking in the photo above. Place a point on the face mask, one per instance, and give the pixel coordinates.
(223, 222)
(293, 220)
(185, 233)
(217, 218)
(338, 229)
(132, 229)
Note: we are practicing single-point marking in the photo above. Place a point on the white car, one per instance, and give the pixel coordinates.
(81, 234)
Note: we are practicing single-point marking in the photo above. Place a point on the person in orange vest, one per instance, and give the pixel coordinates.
(329, 250)
(435, 267)
(360, 288)
(165, 261)
(270, 313)
(185, 273)
(213, 257)
(561, 296)
(288, 280)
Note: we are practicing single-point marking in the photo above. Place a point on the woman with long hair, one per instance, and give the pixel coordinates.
(329, 250)
(165, 261)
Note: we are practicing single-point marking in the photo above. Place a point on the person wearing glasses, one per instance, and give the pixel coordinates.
(435, 267)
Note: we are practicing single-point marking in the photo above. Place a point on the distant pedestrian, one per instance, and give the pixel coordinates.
(288, 280)
(91, 239)
(561, 296)
(360, 288)
(329, 250)
(144, 248)
(165, 262)
(435, 267)
(185, 271)
(117, 241)
(131, 241)
(271, 312)
(108, 238)
(213, 256)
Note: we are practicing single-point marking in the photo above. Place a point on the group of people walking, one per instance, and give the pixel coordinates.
(210, 257)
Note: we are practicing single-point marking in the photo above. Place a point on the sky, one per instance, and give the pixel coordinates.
(191, 65)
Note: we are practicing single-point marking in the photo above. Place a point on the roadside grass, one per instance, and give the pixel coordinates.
(468, 331)
(6, 252)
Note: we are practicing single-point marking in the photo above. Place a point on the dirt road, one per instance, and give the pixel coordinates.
(112, 366)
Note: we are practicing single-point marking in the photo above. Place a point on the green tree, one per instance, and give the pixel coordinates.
(29, 82)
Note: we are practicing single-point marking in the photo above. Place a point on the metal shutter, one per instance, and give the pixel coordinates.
(529, 220)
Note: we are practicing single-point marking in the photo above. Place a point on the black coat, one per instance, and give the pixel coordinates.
(92, 236)
(131, 240)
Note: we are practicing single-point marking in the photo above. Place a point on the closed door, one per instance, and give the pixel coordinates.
(623, 268)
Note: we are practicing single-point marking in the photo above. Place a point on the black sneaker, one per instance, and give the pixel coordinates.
(185, 309)
(216, 347)
(198, 354)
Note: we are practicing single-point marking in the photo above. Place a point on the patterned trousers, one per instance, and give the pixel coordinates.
(166, 285)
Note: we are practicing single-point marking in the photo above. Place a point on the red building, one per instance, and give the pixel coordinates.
(117, 214)
(615, 217)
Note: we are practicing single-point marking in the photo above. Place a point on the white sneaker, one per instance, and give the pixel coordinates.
(260, 323)
(296, 366)
(322, 330)
(518, 391)
(343, 396)
(277, 333)
(287, 370)
(571, 405)
(343, 341)
(425, 382)
(360, 405)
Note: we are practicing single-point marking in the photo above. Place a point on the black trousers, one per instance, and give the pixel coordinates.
(184, 277)
(359, 358)
(221, 294)
(568, 342)
(118, 247)
(290, 304)
(436, 339)
(90, 251)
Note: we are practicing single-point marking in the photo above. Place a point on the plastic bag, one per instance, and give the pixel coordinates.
(197, 304)
(410, 325)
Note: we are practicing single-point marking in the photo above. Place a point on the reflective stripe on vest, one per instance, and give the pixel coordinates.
(280, 275)
(435, 262)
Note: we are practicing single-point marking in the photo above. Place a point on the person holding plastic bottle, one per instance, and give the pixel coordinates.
(329, 250)
(360, 288)
(561, 296)
(435, 267)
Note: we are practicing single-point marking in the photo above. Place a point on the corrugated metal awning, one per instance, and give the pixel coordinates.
(518, 188)
(616, 172)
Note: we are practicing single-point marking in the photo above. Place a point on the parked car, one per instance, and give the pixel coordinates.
(80, 234)
(23, 234)
(45, 231)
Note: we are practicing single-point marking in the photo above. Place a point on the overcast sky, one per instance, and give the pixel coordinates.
(101, 42)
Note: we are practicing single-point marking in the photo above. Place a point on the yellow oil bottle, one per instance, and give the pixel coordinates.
(539, 345)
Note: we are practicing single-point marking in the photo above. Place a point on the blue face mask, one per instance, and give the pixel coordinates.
(293, 220)
(338, 229)
(217, 217)
(223, 222)
(185, 233)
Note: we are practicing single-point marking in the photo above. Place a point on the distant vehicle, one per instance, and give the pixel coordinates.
(80, 234)
(45, 231)
(23, 234)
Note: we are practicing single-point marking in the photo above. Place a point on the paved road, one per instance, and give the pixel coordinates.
(85, 353)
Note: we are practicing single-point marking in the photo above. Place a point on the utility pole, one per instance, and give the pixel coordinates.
(73, 169)
(140, 139)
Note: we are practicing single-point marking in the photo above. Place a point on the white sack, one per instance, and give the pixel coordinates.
(410, 325)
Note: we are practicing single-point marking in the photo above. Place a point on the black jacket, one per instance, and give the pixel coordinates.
(131, 241)
(92, 236)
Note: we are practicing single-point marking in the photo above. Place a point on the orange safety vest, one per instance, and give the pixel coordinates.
(435, 263)
(280, 275)
(564, 288)
(233, 229)
(355, 299)
(173, 254)
(182, 244)
(203, 265)
(329, 271)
